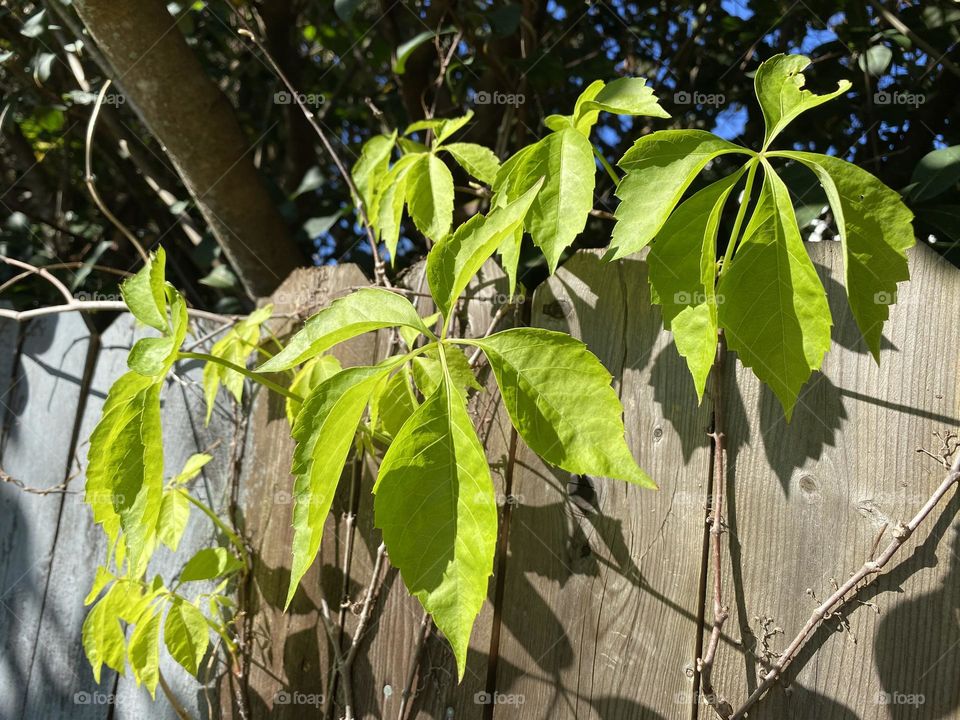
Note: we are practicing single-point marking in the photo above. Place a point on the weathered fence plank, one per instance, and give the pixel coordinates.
(600, 603)
(40, 409)
(808, 502)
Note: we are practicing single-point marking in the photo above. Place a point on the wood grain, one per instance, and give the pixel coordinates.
(600, 603)
(808, 500)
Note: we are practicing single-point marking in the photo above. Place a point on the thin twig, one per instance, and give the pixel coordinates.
(179, 709)
(378, 266)
(42, 272)
(422, 634)
(90, 180)
(720, 611)
(100, 306)
(839, 598)
(60, 489)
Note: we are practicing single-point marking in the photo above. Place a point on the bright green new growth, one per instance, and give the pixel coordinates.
(434, 496)
(769, 301)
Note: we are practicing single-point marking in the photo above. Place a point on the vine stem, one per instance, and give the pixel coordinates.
(90, 179)
(720, 611)
(606, 166)
(378, 266)
(255, 376)
(839, 598)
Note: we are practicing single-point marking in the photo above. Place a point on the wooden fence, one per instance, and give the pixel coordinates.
(596, 607)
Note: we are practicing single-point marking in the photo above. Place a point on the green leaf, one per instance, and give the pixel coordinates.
(153, 356)
(626, 96)
(103, 639)
(209, 563)
(407, 48)
(144, 652)
(234, 347)
(560, 210)
(875, 230)
(125, 464)
(442, 128)
(144, 293)
(779, 85)
(174, 514)
(324, 432)
(660, 167)
(559, 398)
(313, 372)
(774, 311)
(506, 188)
(186, 635)
(683, 267)
(435, 505)
(479, 161)
(389, 210)
(429, 196)
(584, 118)
(393, 402)
(937, 172)
(101, 579)
(371, 167)
(428, 370)
(192, 467)
(357, 313)
(875, 60)
(454, 260)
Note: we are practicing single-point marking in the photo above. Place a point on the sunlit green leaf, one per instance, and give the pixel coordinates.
(479, 161)
(313, 372)
(435, 505)
(354, 314)
(186, 635)
(559, 398)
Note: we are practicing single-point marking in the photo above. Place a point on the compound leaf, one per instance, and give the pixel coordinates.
(625, 96)
(235, 347)
(209, 563)
(144, 651)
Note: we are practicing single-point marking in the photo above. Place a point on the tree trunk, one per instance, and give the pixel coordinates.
(193, 120)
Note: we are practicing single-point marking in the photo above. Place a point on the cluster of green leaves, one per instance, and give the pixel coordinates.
(764, 292)
(435, 501)
(138, 511)
(419, 179)
(434, 496)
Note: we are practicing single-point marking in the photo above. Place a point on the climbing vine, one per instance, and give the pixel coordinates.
(434, 496)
